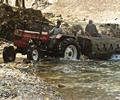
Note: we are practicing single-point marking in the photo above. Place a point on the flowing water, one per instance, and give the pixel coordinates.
(83, 80)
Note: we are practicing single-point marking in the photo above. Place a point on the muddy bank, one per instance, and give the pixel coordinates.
(17, 85)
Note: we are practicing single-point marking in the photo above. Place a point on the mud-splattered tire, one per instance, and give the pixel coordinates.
(9, 54)
(70, 49)
(33, 54)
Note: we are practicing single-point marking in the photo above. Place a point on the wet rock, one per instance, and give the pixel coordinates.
(61, 85)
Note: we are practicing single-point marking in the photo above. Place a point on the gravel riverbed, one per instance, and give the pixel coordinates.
(17, 85)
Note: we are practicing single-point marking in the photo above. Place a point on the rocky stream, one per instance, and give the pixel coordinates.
(60, 80)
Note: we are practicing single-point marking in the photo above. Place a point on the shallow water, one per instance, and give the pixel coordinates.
(83, 80)
(80, 80)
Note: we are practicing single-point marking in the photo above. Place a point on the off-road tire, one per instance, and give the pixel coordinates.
(31, 53)
(72, 44)
(9, 54)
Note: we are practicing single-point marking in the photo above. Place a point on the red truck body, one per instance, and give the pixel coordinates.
(22, 37)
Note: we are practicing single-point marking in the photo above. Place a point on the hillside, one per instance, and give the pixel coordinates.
(98, 10)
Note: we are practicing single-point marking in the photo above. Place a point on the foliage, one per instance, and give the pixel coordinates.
(12, 18)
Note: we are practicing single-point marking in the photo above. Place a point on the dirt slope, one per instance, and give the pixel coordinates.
(99, 10)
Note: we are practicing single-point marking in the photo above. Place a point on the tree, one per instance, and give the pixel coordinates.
(23, 3)
(20, 3)
(17, 3)
(1, 1)
(6, 1)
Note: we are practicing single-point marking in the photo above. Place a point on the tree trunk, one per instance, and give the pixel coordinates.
(1, 1)
(6, 1)
(23, 3)
(17, 3)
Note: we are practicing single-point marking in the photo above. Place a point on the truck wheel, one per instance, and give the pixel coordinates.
(9, 54)
(33, 54)
(70, 49)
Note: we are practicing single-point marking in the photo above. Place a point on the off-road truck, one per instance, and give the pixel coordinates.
(38, 45)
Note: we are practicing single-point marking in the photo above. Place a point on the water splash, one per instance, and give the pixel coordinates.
(115, 57)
